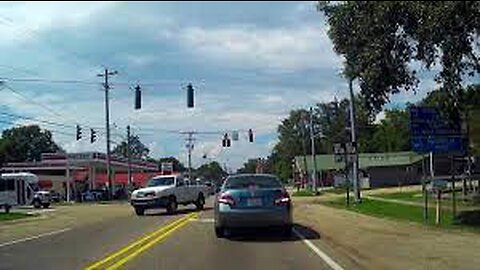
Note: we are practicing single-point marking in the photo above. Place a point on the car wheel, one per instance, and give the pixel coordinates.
(37, 204)
(287, 231)
(172, 206)
(46, 205)
(139, 211)
(200, 202)
(220, 232)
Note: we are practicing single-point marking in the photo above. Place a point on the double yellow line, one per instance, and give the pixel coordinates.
(122, 256)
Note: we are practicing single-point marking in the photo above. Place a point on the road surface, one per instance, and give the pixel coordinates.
(160, 241)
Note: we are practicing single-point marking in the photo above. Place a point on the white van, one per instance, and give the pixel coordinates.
(17, 189)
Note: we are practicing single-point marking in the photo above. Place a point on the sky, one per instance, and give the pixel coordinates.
(250, 63)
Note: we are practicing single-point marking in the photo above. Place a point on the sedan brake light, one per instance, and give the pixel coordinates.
(283, 199)
(226, 198)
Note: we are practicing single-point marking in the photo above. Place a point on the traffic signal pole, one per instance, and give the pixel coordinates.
(129, 159)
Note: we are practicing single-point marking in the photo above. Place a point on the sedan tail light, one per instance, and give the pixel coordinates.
(283, 199)
(226, 198)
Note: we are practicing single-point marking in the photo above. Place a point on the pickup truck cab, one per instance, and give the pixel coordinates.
(168, 191)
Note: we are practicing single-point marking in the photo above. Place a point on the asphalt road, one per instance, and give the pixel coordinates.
(160, 241)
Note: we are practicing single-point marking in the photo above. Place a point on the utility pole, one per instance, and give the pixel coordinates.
(356, 185)
(189, 145)
(312, 138)
(106, 86)
(304, 146)
(67, 167)
(129, 159)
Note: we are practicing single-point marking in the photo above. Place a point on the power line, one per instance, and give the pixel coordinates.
(51, 130)
(30, 100)
(37, 120)
(43, 80)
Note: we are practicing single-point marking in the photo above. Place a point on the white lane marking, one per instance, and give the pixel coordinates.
(33, 237)
(204, 220)
(321, 254)
(34, 212)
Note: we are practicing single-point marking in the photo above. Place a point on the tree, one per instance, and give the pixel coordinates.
(380, 41)
(137, 149)
(211, 172)
(249, 167)
(468, 106)
(330, 122)
(177, 165)
(26, 143)
(393, 132)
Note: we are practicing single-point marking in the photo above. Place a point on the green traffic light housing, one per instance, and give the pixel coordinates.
(79, 133)
(93, 135)
(190, 96)
(138, 98)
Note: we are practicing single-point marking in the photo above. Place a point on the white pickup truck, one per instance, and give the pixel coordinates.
(168, 191)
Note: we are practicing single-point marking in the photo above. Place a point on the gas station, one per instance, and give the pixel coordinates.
(84, 171)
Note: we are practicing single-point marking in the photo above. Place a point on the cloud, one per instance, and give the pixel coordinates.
(27, 21)
(282, 49)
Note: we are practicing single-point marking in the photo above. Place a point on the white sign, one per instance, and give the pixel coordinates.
(235, 135)
(438, 185)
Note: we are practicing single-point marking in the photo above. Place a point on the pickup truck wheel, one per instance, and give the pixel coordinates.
(139, 211)
(37, 204)
(219, 232)
(172, 205)
(46, 205)
(200, 202)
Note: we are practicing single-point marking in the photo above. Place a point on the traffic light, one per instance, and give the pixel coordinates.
(250, 135)
(93, 135)
(226, 142)
(190, 96)
(79, 132)
(229, 142)
(138, 97)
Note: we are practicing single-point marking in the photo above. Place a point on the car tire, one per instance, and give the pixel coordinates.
(287, 231)
(219, 232)
(46, 205)
(37, 204)
(139, 211)
(172, 206)
(200, 202)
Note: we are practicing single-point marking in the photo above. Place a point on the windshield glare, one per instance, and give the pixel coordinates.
(163, 181)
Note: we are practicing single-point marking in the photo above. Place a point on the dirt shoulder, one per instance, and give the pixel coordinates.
(367, 242)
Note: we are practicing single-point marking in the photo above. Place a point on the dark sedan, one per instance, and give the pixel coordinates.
(252, 201)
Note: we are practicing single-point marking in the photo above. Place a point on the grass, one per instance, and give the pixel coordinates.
(412, 196)
(417, 196)
(336, 191)
(392, 210)
(12, 216)
(304, 193)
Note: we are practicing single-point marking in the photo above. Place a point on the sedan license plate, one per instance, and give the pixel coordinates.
(254, 202)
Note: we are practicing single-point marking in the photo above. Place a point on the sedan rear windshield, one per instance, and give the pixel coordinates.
(241, 182)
